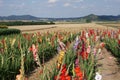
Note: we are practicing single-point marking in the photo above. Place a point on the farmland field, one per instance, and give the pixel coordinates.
(111, 24)
(59, 27)
(61, 52)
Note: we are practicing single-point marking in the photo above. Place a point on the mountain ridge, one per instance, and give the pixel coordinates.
(92, 17)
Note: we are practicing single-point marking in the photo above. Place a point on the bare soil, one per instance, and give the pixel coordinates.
(108, 66)
(35, 75)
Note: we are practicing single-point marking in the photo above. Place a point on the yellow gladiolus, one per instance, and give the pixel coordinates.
(13, 42)
(60, 58)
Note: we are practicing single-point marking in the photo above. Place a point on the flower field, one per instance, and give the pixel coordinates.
(76, 51)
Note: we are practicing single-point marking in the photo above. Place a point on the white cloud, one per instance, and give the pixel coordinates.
(67, 4)
(52, 1)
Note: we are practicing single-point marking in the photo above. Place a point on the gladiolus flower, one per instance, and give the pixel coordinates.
(61, 46)
(119, 42)
(63, 75)
(98, 76)
(84, 55)
(77, 41)
(88, 49)
(102, 44)
(41, 71)
(34, 50)
(94, 51)
(60, 58)
(77, 62)
(87, 36)
(79, 74)
(99, 51)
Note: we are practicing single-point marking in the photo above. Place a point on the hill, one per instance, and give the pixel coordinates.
(91, 17)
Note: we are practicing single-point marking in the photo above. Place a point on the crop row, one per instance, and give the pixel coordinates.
(11, 49)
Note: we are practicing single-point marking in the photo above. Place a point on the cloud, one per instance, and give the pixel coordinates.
(52, 1)
(67, 5)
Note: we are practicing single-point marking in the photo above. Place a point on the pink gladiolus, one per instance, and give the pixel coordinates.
(88, 49)
(94, 51)
(102, 44)
(77, 62)
(34, 51)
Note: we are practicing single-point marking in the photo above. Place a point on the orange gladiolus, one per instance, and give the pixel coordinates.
(63, 75)
(79, 74)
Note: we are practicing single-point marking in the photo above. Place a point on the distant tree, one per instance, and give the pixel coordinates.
(88, 21)
(51, 22)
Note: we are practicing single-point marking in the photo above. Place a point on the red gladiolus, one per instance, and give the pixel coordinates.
(109, 34)
(84, 55)
(3, 42)
(1, 50)
(34, 49)
(30, 49)
(91, 32)
(102, 44)
(119, 42)
(63, 75)
(79, 74)
(24, 35)
(38, 33)
(41, 71)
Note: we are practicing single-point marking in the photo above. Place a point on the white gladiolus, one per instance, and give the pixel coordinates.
(97, 38)
(119, 36)
(87, 35)
(99, 50)
(98, 76)
(77, 38)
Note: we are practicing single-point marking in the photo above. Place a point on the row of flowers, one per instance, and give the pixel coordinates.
(22, 53)
(76, 54)
(113, 42)
(78, 61)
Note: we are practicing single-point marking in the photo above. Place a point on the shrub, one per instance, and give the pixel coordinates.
(9, 31)
(88, 21)
(17, 23)
(3, 27)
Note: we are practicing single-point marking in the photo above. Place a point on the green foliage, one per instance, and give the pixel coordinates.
(17, 23)
(9, 31)
(10, 56)
(88, 21)
(3, 26)
(113, 46)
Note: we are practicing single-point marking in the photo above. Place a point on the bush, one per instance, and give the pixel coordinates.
(9, 31)
(3, 27)
(17, 23)
(88, 21)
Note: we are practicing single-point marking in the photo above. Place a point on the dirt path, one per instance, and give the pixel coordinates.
(107, 64)
(34, 75)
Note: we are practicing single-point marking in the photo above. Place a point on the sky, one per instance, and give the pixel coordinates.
(59, 8)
